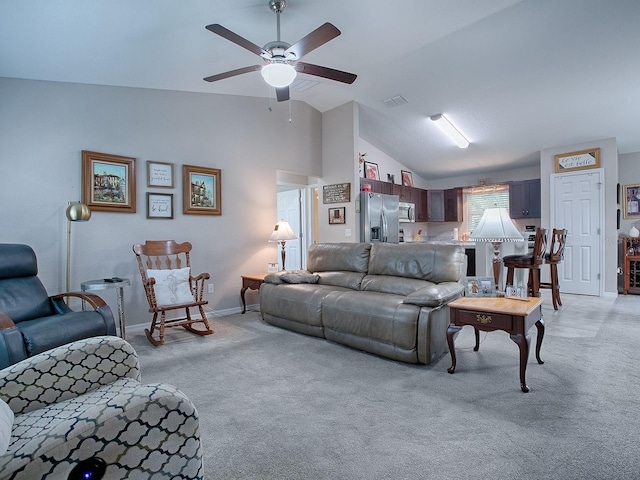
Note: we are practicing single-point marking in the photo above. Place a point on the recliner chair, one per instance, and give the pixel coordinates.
(31, 321)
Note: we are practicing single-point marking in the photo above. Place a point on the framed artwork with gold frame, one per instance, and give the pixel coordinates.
(201, 190)
(108, 182)
(580, 160)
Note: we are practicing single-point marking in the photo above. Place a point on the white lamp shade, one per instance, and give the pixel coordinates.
(282, 231)
(278, 75)
(496, 226)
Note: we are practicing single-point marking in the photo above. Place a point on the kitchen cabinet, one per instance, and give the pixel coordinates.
(406, 194)
(377, 186)
(420, 199)
(453, 205)
(435, 205)
(524, 199)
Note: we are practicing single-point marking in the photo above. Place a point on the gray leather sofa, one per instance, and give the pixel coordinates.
(386, 299)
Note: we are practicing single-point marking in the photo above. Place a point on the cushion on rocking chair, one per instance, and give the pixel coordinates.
(172, 286)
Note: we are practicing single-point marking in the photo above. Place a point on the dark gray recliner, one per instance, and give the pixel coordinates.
(30, 320)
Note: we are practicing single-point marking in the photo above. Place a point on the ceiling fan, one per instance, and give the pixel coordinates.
(282, 60)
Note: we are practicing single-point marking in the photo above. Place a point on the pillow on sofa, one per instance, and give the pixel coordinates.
(435, 295)
(6, 424)
(172, 286)
(293, 276)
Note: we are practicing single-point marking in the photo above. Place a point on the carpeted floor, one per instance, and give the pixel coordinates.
(274, 404)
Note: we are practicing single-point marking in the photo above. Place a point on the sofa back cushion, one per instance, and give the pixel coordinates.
(433, 262)
(338, 257)
(392, 284)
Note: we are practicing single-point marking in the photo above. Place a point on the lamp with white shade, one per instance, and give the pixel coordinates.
(281, 233)
(496, 227)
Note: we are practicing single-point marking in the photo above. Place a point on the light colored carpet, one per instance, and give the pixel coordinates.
(275, 404)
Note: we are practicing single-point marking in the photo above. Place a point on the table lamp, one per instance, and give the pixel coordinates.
(76, 212)
(281, 233)
(496, 227)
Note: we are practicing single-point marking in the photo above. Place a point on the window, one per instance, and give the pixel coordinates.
(480, 198)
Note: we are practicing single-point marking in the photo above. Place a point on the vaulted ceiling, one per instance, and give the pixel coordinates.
(514, 76)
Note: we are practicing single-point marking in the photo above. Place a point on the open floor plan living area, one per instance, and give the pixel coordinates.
(301, 239)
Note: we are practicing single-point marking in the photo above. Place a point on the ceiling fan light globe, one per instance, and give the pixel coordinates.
(278, 75)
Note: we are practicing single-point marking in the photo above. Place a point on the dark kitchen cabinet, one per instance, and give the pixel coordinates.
(420, 199)
(524, 199)
(453, 205)
(435, 205)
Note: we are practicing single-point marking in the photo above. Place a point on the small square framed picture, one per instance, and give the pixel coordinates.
(407, 178)
(371, 171)
(336, 215)
(479, 287)
(159, 205)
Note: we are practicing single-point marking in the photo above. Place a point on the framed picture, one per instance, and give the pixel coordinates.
(336, 215)
(407, 178)
(159, 174)
(159, 205)
(108, 182)
(631, 199)
(479, 287)
(580, 160)
(201, 190)
(371, 171)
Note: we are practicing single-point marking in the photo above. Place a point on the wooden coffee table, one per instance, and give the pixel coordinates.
(498, 313)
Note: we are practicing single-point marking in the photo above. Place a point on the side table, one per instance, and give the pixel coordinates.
(253, 282)
(489, 314)
(104, 285)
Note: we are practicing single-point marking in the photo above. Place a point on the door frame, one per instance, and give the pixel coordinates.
(601, 201)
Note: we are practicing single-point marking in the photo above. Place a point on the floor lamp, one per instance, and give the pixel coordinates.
(281, 233)
(76, 212)
(496, 227)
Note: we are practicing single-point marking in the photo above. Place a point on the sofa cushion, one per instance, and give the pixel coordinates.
(6, 424)
(351, 280)
(426, 261)
(172, 286)
(294, 276)
(24, 298)
(336, 257)
(394, 285)
(434, 295)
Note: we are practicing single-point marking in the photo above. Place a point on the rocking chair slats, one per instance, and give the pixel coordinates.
(168, 255)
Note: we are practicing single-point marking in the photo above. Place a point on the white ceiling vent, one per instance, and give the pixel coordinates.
(395, 101)
(302, 84)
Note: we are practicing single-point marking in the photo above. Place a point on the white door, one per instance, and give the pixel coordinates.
(576, 205)
(288, 207)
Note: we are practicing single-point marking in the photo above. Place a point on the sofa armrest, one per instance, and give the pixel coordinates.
(435, 295)
(11, 344)
(66, 372)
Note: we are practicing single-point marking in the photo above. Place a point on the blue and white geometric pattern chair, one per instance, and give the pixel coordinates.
(84, 400)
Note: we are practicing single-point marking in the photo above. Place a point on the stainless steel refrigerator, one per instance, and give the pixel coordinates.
(379, 217)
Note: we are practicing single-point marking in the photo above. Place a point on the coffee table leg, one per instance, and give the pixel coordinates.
(540, 327)
(451, 331)
(523, 343)
(477, 347)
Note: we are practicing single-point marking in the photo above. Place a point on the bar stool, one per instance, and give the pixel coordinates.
(531, 261)
(553, 258)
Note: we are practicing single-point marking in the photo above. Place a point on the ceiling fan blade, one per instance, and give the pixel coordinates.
(282, 94)
(235, 38)
(232, 73)
(325, 72)
(319, 36)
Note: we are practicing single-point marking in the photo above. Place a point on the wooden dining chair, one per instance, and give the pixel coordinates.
(531, 261)
(165, 269)
(553, 258)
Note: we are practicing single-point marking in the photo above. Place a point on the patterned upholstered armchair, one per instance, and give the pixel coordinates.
(84, 401)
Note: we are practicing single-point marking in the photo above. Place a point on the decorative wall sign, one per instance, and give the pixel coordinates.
(337, 215)
(201, 190)
(631, 199)
(580, 160)
(108, 182)
(159, 205)
(336, 193)
(159, 174)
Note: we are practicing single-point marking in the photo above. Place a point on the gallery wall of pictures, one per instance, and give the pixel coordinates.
(109, 185)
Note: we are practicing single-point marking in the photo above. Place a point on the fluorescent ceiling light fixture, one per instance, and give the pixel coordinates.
(452, 132)
(278, 75)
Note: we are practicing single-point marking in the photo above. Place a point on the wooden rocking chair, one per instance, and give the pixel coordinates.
(165, 269)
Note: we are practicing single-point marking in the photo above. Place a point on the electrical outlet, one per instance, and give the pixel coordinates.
(347, 232)
(209, 287)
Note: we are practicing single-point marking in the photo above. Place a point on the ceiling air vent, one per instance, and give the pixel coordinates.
(395, 101)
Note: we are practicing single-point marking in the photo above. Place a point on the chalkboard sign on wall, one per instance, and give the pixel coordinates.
(336, 193)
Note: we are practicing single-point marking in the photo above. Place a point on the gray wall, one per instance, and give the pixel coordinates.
(44, 126)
